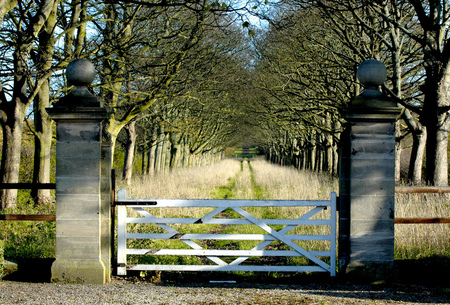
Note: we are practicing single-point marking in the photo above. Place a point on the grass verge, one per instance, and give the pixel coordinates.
(2, 259)
(29, 239)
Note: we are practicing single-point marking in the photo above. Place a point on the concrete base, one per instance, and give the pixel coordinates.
(79, 272)
(372, 272)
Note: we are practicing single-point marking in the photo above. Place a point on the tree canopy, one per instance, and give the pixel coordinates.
(188, 79)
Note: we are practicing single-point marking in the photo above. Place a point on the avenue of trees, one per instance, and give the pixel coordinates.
(186, 80)
(311, 53)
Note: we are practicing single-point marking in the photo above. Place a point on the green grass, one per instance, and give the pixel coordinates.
(29, 239)
(2, 259)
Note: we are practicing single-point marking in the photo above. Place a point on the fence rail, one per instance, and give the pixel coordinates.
(422, 220)
(27, 186)
(144, 209)
(422, 190)
(29, 217)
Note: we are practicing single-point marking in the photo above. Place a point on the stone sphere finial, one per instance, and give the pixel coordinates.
(371, 73)
(80, 72)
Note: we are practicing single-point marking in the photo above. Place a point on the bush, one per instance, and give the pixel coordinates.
(2, 260)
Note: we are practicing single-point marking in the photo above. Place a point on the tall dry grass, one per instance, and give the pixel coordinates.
(412, 241)
(257, 179)
(191, 183)
(416, 241)
(283, 183)
(287, 183)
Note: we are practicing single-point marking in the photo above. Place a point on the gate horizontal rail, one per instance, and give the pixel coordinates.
(143, 208)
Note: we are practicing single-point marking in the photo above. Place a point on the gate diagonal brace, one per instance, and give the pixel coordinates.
(176, 236)
(282, 238)
(190, 243)
(285, 230)
(263, 244)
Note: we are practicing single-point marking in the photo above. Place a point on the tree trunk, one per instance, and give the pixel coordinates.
(152, 153)
(13, 128)
(435, 120)
(166, 153)
(417, 154)
(159, 150)
(12, 145)
(43, 124)
(129, 152)
(175, 149)
(43, 145)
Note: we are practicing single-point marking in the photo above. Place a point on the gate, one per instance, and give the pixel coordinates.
(220, 215)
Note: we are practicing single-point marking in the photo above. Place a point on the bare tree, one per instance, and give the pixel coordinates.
(23, 24)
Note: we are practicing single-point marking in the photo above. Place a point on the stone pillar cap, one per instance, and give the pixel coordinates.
(372, 74)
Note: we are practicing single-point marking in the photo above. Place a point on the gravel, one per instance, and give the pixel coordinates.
(126, 291)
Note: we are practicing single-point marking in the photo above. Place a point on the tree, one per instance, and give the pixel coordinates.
(419, 43)
(306, 76)
(168, 56)
(21, 27)
(434, 39)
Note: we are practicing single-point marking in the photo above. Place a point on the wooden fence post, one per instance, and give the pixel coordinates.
(367, 181)
(82, 198)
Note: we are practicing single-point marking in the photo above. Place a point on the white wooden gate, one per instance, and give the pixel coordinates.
(320, 260)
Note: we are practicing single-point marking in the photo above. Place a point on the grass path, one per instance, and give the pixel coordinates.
(242, 186)
(259, 192)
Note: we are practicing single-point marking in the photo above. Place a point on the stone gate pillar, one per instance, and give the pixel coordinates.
(367, 179)
(82, 183)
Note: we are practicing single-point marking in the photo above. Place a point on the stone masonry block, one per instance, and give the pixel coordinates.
(364, 187)
(78, 185)
(384, 128)
(362, 147)
(371, 248)
(84, 247)
(372, 169)
(77, 228)
(79, 271)
(78, 151)
(80, 168)
(85, 132)
(78, 206)
(372, 207)
(371, 227)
